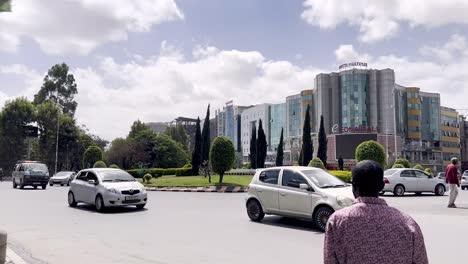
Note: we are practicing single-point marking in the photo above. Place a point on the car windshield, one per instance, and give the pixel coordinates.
(64, 173)
(35, 167)
(323, 179)
(115, 176)
(390, 172)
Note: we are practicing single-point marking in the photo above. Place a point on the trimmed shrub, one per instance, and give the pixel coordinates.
(371, 150)
(404, 162)
(418, 167)
(147, 178)
(187, 166)
(398, 166)
(114, 166)
(222, 156)
(428, 171)
(317, 163)
(184, 172)
(343, 175)
(91, 155)
(99, 164)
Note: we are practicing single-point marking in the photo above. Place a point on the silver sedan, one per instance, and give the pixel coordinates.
(106, 188)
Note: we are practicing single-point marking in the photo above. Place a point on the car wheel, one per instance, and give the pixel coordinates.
(381, 193)
(140, 206)
(51, 184)
(21, 186)
(14, 184)
(321, 217)
(71, 200)
(61, 184)
(43, 186)
(439, 190)
(255, 211)
(99, 203)
(418, 193)
(399, 190)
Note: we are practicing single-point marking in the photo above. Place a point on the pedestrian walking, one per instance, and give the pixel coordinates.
(370, 231)
(451, 178)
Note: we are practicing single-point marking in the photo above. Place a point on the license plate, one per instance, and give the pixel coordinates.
(131, 198)
(37, 183)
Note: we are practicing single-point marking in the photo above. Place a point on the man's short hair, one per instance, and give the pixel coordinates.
(368, 178)
(454, 160)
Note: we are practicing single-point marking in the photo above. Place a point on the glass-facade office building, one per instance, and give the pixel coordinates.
(354, 99)
(293, 116)
(277, 123)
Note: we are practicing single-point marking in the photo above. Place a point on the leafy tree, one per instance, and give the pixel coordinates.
(261, 146)
(114, 166)
(404, 162)
(146, 142)
(317, 163)
(253, 148)
(179, 134)
(59, 87)
(341, 163)
(206, 141)
(418, 167)
(196, 154)
(398, 166)
(15, 115)
(168, 153)
(307, 146)
(322, 141)
(222, 156)
(280, 152)
(99, 164)
(136, 128)
(371, 150)
(91, 155)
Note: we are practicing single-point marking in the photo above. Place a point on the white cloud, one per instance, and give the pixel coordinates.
(79, 26)
(31, 79)
(346, 53)
(455, 47)
(378, 20)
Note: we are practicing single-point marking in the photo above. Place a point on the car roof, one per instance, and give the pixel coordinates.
(98, 170)
(294, 168)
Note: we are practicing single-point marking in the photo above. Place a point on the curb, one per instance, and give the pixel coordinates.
(212, 189)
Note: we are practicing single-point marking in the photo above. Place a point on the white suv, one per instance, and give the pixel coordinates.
(299, 192)
(464, 180)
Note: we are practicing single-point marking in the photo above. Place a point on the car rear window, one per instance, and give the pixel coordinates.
(390, 172)
(269, 176)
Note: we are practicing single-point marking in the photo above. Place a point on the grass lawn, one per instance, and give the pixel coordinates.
(199, 181)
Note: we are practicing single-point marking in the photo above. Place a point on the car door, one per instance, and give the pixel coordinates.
(293, 200)
(77, 185)
(267, 189)
(409, 180)
(89, 190)
(425, 183)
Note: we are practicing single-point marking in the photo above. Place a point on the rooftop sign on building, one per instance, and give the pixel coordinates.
(352, 65)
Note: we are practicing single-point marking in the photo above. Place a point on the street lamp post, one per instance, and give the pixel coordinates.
(58, 127)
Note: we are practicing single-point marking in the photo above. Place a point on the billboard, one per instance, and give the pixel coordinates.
(346, 144)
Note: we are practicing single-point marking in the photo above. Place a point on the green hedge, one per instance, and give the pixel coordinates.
(158, 172)
(343, 175)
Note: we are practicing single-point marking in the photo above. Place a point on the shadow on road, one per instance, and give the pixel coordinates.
(423, 195)
(113, 210)
(291, 223)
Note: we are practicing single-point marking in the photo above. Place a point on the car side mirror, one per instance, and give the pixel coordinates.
(93, 182)
(304, 186)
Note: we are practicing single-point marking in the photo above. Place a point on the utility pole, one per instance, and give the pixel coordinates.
(58, 127)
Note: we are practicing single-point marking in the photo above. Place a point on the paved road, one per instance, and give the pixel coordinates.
(194, 228)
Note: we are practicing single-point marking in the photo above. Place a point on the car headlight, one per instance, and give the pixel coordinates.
(143, 190)
(112, 190)
(344, 201)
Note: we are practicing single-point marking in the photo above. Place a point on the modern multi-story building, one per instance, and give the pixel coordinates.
(251, 118)
(450, 125)
(276, 125)
(229, 123)
(464, 142)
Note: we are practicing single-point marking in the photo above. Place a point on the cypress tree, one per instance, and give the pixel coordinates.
(253, 148)
(196, 154)
(307, 146)
(261, 146)
(280, 152)
(322, 141)
(206, 141)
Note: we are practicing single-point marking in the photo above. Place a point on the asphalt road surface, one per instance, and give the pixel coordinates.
(195, 228)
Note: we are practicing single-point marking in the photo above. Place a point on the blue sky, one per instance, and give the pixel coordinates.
(158, 59)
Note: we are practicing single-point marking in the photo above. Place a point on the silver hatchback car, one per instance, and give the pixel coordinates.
(299, 192)
(106, 188)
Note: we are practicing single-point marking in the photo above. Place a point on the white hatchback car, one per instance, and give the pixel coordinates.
(299, 192)
(399, 181)
(106, 188)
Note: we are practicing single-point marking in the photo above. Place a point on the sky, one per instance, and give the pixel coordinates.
(155, 60)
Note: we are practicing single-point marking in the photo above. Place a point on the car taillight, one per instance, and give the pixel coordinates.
(385, 180)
